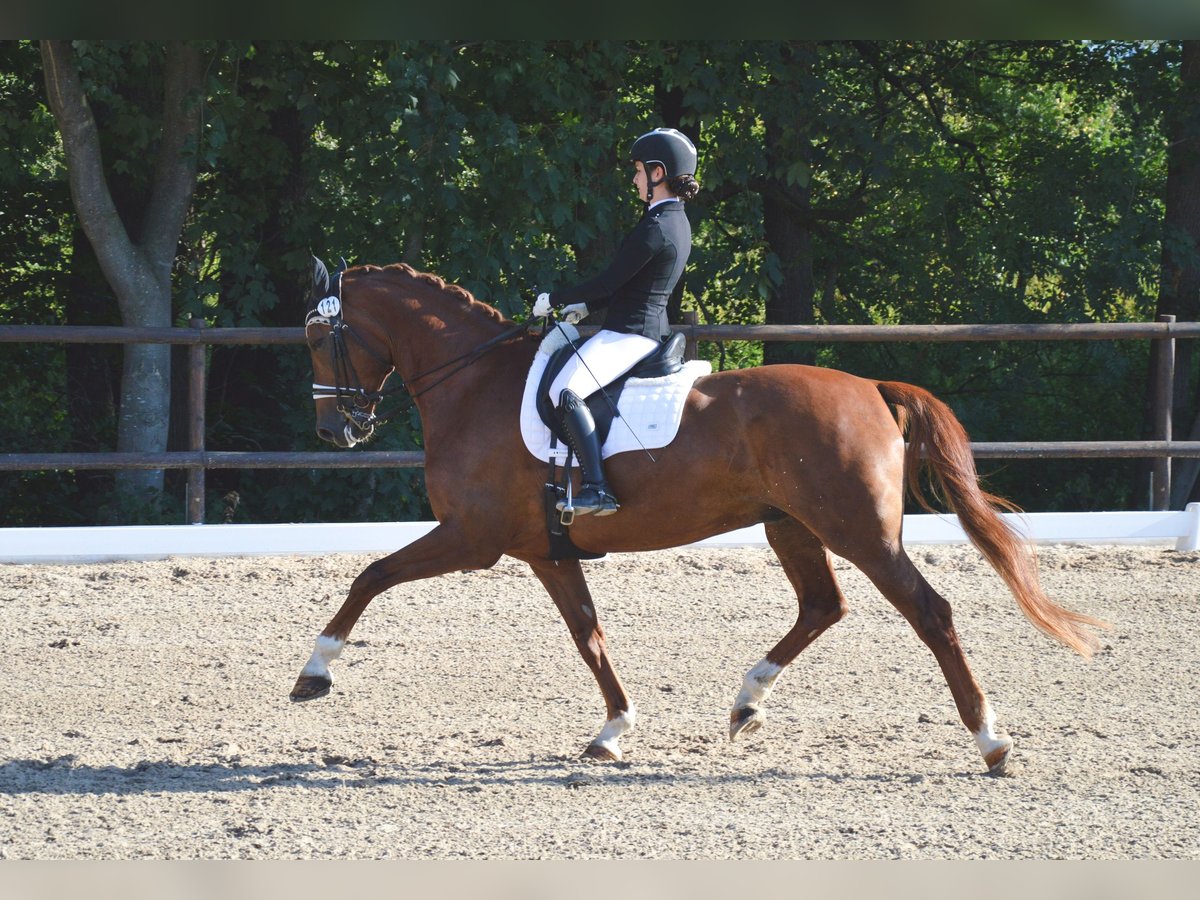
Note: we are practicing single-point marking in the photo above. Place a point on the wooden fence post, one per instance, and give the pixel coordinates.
(1164, 394)
(197, 384)
(692, 348)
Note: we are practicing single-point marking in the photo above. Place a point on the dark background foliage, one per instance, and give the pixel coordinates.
(843, 182)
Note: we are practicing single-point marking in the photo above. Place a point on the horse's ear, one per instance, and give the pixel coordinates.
(320, 286)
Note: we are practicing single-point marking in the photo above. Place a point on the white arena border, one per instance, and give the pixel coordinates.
(138, 542)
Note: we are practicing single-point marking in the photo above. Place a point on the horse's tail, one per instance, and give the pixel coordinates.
(934, 431)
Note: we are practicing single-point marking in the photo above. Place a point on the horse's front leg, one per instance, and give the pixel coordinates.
(566, 585)
(445, 549)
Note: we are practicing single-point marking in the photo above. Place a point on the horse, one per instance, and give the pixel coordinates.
(816, 455)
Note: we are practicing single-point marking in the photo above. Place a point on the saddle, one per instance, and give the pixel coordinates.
(666, 360)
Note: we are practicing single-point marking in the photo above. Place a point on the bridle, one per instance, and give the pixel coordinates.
(355, 402)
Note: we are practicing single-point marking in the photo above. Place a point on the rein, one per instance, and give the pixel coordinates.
(354, 401)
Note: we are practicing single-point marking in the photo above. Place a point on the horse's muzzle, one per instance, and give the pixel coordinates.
(337, 438)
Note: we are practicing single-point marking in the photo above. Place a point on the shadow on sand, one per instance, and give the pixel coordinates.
(63, 775)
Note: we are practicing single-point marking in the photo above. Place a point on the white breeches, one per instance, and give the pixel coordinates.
(601, 359)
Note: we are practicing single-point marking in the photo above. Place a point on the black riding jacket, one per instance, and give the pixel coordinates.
(638, 282)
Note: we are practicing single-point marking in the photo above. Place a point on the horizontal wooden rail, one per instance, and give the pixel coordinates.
(198, 335)
(410, 459)
(1085, 449)
(944, 333)
(119, 334)
(116, 334)
(216, 459)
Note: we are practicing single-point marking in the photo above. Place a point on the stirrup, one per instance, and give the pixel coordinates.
(594, 499)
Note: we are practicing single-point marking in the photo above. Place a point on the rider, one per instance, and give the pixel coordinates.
(636, 287)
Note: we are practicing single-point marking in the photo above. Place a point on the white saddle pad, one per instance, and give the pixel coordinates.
(650, 408)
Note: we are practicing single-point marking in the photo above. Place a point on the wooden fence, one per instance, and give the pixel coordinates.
(197, 459)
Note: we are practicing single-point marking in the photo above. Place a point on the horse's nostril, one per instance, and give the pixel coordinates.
(325, 434)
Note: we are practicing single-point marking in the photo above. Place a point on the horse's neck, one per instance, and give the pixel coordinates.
(434, 354)
(440, 339)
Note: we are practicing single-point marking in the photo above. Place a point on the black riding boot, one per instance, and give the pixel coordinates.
(594, 496)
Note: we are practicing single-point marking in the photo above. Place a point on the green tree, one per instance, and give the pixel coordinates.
(35, 212)
(136, 253)
(1179, 282)
(865, 182)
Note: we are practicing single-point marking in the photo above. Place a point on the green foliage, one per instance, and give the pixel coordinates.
(34, 210)
(950, 181)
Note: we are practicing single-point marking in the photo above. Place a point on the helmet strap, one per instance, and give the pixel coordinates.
(651, 185)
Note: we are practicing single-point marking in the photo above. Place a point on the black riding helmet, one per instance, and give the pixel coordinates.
(668, 148)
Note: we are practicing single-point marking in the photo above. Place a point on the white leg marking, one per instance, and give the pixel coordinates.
(757, 685)
(613, 729)
(987, 738)
(326, 651)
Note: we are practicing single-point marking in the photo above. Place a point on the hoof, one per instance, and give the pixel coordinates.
(997, 760)
(602, 753)
(310, 687)
(746, 720)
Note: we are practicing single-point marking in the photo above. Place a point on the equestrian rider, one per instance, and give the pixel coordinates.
(635, 287)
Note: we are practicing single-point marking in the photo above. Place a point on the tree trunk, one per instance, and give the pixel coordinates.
(791, 302)
(138, 269)
(92, 372)
(787, 211)
(788, 234)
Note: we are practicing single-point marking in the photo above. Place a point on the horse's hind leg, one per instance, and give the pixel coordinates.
(808, 567)
(929, 614)
(442, 550)
(565, 583)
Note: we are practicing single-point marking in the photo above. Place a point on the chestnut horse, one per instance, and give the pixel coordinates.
(816, 455)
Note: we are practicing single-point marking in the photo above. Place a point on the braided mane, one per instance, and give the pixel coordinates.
(438, 284)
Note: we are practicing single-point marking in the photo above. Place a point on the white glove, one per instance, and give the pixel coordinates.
(573, 313)
(542, 308)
